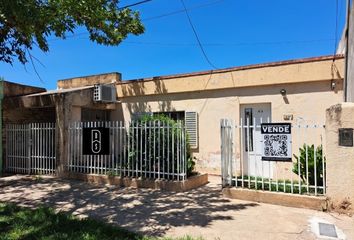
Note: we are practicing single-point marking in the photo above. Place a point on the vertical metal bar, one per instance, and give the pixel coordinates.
(141, 147)
(70, 160)
(77, 146)
(28, 148)
(178, 150)
(323, 167)
(136, 149)
(40, 160)
(145, 150)
(232, 152)
(185, 152)
(248, 151)
(7, 147)
(292, 182)
(82, 162)
(154, 149)
(89, 124)
(315, 166)
(299, 166)
(307, 166)
(241, 152)
(45, 138)
(173, 152)
(168, 151)
(150, 150)
(129, 147)
(270, 168)
(31, 148)
(255, 152)
(121, 147)
(114, 144)
(159, 149)
(124, 148)
(163, 150)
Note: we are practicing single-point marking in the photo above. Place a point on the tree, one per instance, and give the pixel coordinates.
(25, 23)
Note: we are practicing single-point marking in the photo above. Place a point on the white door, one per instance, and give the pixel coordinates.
(252, 115)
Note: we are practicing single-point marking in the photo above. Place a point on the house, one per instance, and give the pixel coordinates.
(295, 91)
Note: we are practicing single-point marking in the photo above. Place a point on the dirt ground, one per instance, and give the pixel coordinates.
(200, 212)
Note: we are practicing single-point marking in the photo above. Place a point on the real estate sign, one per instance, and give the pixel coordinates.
(95, 141)
(276, 141)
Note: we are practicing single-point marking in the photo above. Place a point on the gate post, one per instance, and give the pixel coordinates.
(340, 155)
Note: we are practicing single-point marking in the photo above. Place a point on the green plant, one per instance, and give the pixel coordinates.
(156, 142)
(306, 168)
(112, 173)
(190, 165)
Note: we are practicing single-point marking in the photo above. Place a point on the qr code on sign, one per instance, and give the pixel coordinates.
(275, 145)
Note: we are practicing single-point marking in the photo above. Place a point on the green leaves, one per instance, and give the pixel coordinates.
(307, 162)
(24, 23)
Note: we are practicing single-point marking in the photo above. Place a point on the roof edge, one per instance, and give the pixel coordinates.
(239, 68)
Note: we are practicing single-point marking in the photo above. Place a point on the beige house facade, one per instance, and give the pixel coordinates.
(295, 91)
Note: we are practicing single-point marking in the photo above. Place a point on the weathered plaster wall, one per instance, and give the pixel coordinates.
(340, 160)
(89, 80)
(252, 76)
(14, 89)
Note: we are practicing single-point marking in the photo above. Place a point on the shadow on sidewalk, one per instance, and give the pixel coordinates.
(148, 211)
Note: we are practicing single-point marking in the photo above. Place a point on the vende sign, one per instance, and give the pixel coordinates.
(276, 141)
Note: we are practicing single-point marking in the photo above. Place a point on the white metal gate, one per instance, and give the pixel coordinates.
(153, 149)
(305, 174)
(30, 148)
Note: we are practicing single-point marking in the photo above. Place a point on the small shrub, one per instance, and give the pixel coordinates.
(301, 160)
(148, 142)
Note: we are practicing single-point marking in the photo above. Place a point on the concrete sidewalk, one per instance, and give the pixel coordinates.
(201, 212)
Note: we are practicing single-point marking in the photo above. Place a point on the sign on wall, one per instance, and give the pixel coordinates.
(276, 141)
(95, 141)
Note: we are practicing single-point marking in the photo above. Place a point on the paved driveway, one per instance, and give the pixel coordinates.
(201, 212)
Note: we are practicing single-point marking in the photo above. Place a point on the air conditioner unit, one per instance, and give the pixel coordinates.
(105, 93)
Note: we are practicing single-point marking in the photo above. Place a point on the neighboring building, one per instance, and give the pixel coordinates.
(296, 91)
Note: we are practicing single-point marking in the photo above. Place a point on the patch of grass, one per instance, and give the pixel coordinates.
(45, 224)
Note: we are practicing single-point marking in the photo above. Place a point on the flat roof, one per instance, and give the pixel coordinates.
(238, 68)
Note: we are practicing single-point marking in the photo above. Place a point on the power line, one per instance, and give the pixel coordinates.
(134, 4)
(147, 19)
(181, 11)
(171, 44)
(216, 44)
(197, 37)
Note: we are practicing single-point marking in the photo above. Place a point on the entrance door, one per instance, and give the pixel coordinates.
(252, 115)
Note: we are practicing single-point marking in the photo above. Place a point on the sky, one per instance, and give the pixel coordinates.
(232, 32)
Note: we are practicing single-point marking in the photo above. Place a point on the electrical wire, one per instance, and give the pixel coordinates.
(181, 11)
(134, 4)
(197, 37)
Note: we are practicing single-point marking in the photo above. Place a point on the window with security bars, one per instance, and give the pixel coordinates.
(190, 120)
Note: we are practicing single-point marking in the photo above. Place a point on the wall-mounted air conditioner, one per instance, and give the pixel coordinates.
(105, 93)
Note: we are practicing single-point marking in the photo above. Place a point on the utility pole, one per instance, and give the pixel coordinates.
(347, 53)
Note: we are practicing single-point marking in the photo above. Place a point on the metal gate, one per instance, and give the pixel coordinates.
(304, 174)
(30, 148)
(153, 149)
